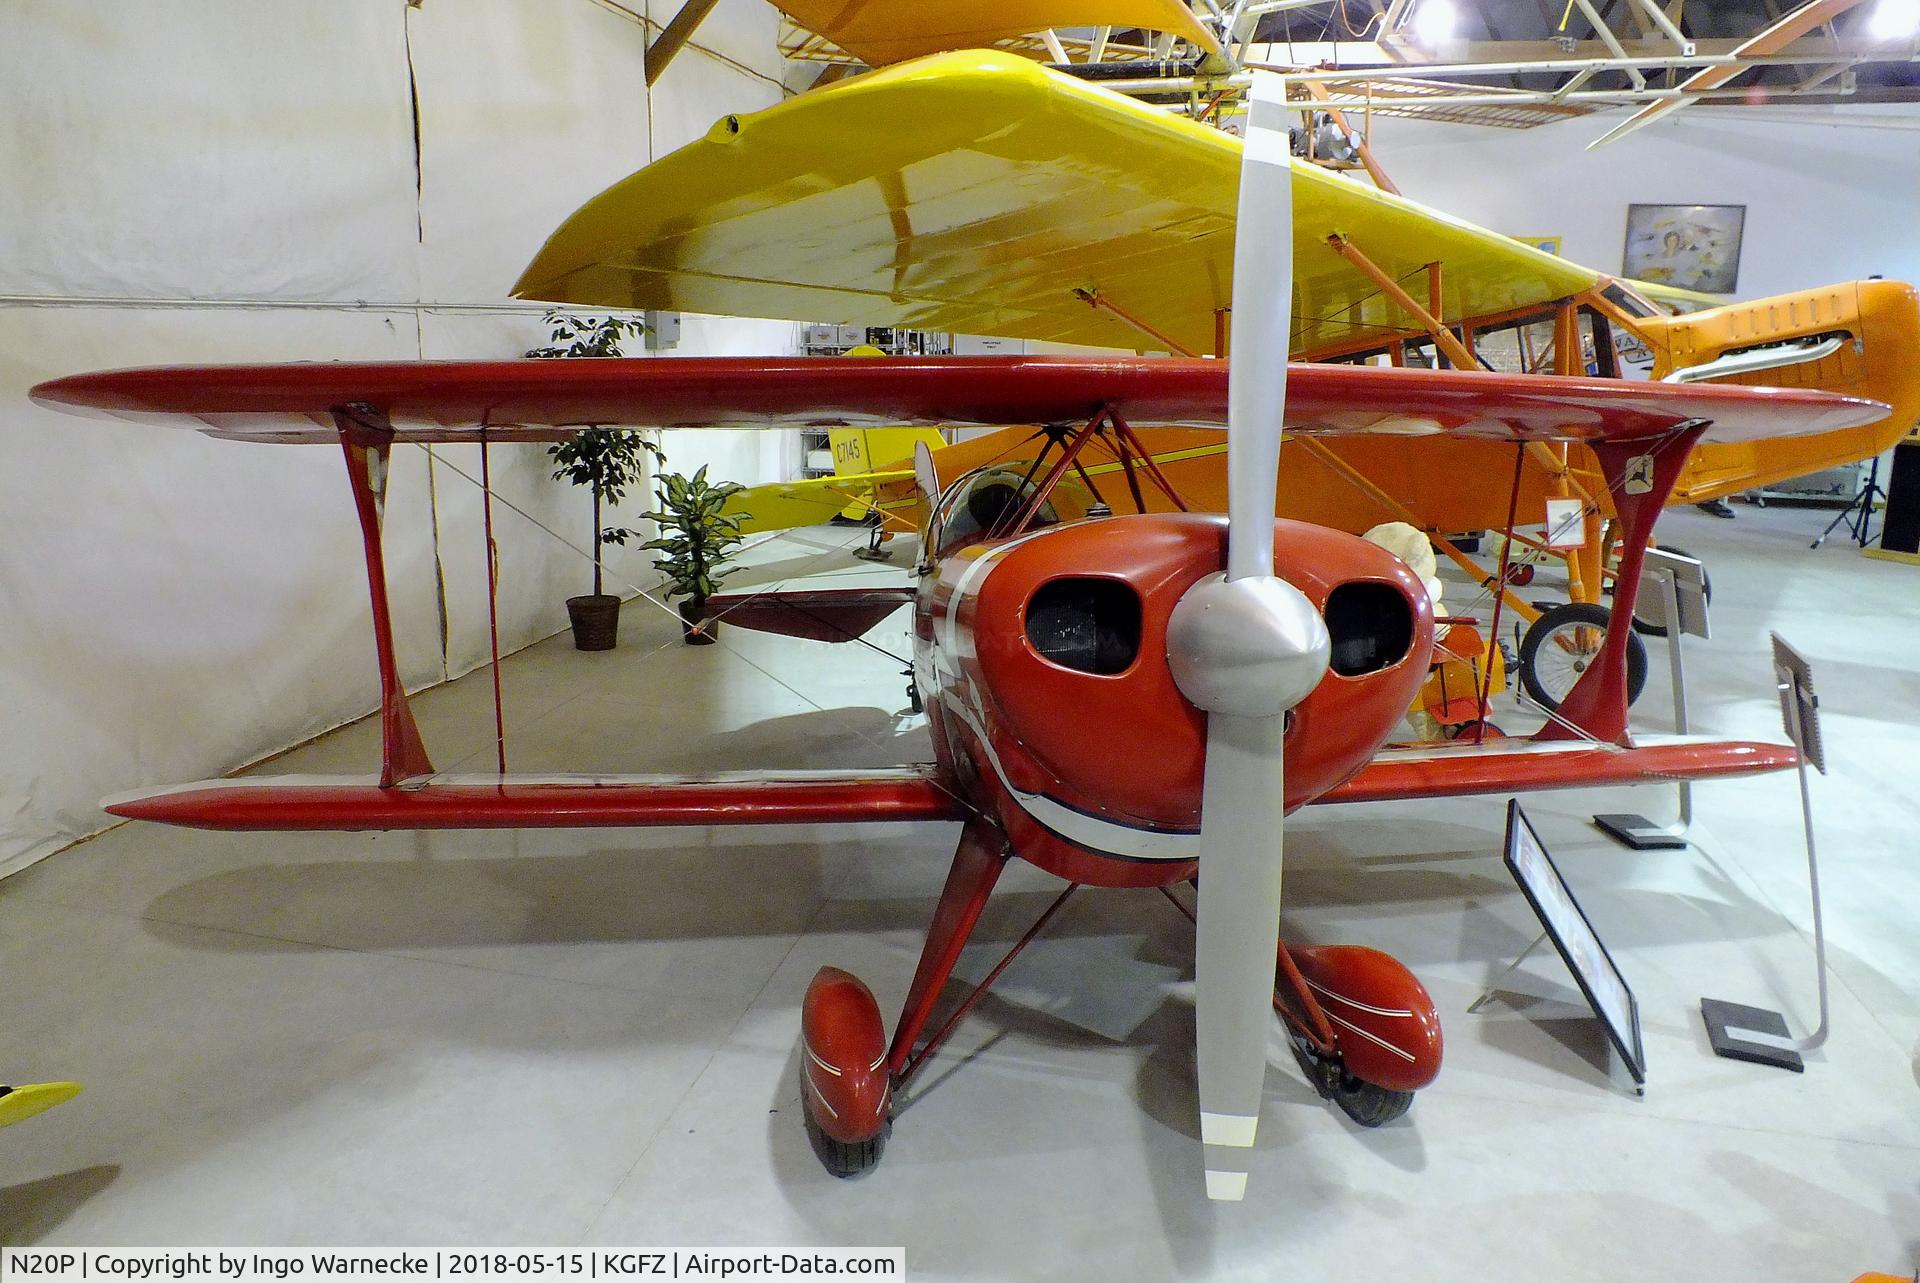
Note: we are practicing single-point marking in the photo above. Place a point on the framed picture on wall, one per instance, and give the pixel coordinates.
(1691, 247)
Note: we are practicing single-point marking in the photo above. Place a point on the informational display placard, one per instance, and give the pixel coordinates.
(1689, 590)
(1572, 933)
(1799, 706)
(1566, 523)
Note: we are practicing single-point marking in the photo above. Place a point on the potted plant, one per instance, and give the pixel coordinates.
(606, 460)
(696, 538)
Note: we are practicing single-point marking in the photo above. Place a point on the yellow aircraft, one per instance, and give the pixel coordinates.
(978, 192)
(865, 461)
(17, 1104)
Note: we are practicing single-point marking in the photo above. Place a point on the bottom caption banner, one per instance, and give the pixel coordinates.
(268, 1265)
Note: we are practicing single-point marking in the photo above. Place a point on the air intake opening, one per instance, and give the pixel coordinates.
(1088, 625)
(1371, 625)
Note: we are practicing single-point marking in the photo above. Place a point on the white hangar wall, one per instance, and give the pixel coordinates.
(1831, 193)
(229, 181)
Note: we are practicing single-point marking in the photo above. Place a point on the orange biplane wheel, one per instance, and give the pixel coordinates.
(1470, 729)
(846, 1091)
(1562, 645)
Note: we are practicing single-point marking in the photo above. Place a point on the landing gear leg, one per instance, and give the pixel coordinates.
(848, 1072)
(1365, 1103)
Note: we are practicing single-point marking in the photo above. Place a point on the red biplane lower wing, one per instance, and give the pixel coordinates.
(1463, 768)
(291, 803)
(827, 614)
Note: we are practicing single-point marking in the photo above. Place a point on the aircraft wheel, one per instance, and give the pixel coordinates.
(1467, 730)
(1520, 574)
(1562, 645)
(846, 1090)
(841, 1158)
(1648, 628)
(1367, 1104)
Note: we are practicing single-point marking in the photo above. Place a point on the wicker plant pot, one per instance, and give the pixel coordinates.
(596, 621)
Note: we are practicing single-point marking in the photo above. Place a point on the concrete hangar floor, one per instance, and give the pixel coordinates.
(590, 1037)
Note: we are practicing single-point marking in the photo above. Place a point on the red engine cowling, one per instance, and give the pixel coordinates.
(1062, 639)
(1383, 1020)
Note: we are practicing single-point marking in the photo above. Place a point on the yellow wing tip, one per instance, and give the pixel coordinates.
(23, 1102)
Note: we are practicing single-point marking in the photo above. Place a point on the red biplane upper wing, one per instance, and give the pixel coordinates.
(545, 400)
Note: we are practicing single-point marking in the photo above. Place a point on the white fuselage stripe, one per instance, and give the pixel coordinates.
(1354, 1002)
(1370, 1037)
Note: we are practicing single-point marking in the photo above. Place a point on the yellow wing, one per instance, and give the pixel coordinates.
(981, 193)
(879, 32)
(17, 1104)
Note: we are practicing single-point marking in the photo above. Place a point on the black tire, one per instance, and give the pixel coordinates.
(1648, 629)
(1549, 689)
(1364, 1102)
(841, 1159)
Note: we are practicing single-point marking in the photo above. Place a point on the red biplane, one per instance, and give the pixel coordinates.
(1240, 667)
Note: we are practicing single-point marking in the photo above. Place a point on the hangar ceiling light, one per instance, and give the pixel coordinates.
(1892, 19)
(1435, 20)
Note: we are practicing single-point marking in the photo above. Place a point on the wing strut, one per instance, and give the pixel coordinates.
(366, 437)
(1641, 475)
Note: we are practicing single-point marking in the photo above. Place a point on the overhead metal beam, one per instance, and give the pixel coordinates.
(674, 36)
(1660, 19)
(1365, 55)
(1463, 71)
(1785, 31)
(1627, 97)
(1611, 41)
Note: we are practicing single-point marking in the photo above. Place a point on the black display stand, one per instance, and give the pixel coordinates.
(1900, 530)
(1723, 1019)
(1638, 832)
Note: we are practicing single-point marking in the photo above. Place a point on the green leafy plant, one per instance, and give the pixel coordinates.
(607, 460)
(573, 334)
(696, 535)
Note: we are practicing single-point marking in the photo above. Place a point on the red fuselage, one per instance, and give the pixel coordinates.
(1042, 660)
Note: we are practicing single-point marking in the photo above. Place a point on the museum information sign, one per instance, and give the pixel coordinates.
(1572, 933)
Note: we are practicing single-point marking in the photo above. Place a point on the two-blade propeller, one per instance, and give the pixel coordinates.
(1246, 647)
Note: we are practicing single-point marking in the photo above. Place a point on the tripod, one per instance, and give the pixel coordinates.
(1858, 514)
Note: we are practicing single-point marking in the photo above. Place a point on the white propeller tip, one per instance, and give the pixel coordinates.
(1226, 1187)
(1236, 1130)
